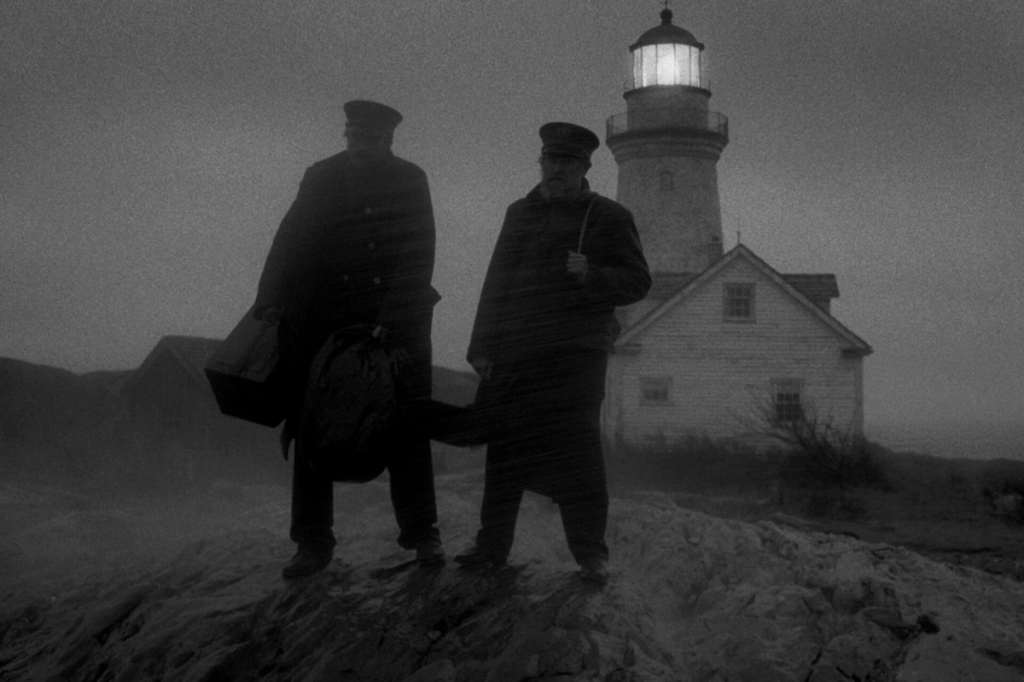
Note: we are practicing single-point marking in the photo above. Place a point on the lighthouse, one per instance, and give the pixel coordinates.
(667, 144)
(721, 335)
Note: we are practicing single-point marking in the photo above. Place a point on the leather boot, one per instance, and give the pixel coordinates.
(309, 559)
(429, 552)
(594, 572)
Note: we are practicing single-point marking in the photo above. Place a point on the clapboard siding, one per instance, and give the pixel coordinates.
(721, 372)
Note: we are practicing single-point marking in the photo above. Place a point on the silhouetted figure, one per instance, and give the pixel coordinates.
(357, 247)
(564, 259)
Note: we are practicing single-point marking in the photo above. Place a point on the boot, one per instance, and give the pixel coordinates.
(594, 572)
(429, 552)
(309, 559)
(479, 559)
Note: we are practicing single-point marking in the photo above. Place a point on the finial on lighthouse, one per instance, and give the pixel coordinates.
(666, 15)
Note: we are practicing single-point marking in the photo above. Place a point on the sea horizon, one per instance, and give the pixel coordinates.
(951, 439)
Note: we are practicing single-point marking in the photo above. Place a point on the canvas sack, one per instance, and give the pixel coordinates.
(351, 407)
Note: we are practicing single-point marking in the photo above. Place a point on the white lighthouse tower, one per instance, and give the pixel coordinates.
(720, 336)
(667, 144)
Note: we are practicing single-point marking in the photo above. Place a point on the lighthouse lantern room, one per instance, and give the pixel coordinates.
(667, 55)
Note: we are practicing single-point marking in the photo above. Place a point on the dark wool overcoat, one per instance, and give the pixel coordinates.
(355, 247)
(548, 334)
(530, 304)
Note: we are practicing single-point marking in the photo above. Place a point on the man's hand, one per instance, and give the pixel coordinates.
(483, 367)
(577, 265)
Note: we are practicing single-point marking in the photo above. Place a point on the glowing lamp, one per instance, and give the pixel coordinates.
(667, 55)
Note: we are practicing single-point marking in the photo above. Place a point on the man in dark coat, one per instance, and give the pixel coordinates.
(545, 323)
(357, 247)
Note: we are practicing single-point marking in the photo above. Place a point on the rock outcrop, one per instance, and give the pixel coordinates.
(692, 597)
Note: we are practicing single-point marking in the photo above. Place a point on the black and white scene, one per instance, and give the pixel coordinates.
(526, 341)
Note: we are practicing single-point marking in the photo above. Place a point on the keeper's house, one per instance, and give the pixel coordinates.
(722, 352)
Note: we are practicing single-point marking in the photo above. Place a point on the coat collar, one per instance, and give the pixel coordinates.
(535, 196)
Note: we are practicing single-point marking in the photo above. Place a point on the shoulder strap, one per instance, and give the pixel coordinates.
(583, 227)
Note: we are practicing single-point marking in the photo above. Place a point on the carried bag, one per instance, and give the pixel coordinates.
(496, 405)
(351, 406)
(485, 419)
(245, 371)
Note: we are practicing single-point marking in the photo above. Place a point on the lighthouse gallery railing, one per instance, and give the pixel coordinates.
(668, 119)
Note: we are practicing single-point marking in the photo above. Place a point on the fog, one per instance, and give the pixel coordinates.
(151, 151)
(152, 549)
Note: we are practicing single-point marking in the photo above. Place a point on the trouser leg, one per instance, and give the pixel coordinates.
(312, 506)
(585, 520)
(577, 457)
(584, 501)
(412, 493)
(411, 466)
(503, 493)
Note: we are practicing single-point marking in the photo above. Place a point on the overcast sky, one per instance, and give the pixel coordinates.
(150, 148)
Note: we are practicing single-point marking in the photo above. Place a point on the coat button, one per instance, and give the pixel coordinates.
(372, 246)
(376, 280)
(367, 210)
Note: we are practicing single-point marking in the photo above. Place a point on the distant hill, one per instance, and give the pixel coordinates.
(38, 402)
(109, 379)
(951, 438)
(38, 387)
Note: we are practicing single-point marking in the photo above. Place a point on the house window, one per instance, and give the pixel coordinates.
(665, 181)
(655, 390)
(787, 403)
(738, 302)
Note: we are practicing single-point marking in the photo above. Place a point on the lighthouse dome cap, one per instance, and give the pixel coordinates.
(666, 33)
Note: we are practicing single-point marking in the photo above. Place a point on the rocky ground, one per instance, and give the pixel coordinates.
(169, 589)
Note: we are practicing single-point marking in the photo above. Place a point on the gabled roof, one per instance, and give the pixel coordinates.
(820, 288)
(191, 352)
(666, 284)
(794, 285)
(815, 287)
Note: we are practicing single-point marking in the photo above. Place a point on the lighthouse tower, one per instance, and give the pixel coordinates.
(667, 144)
(723, 346)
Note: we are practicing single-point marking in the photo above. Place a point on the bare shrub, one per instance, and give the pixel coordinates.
(821, 452)
(1007, 502)
(824, 461)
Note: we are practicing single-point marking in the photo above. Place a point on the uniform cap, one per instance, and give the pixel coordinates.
(371, 115)
(568, 139)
